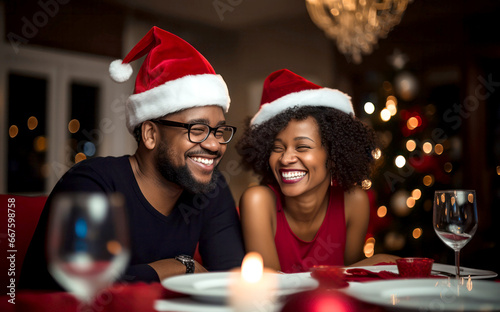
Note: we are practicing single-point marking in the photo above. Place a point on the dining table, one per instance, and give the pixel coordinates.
(354, 290)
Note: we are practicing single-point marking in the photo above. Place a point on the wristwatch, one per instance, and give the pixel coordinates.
(187, 261)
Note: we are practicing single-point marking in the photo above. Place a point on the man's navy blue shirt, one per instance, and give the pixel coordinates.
(209, 219)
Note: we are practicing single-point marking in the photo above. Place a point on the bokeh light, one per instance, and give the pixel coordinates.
(428, 180)
(385, 114)
(411, 145)
(412, 123)
(410, 202)
(39, 144)
(13, 131)
(382, 211)
(438, 149)
(376, 153)
(416, 193)
(427, 147)
(32, 123)
(74, 126)
(89, 149)
(400, 161)
(79, 157)
(417, 232)
(369, 248)
(448, 167)
(369, 108)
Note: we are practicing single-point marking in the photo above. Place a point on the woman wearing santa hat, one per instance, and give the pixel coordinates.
(313, 155)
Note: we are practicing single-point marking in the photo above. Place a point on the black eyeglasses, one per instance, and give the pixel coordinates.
(198, 132)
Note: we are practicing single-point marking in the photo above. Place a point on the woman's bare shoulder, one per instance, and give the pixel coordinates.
(257, 196)
(356, 197)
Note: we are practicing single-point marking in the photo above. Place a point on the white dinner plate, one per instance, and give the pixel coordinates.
(436, 267)
(213, 287)
(188, 304)
(429, 294)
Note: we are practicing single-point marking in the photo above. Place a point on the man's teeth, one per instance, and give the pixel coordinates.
(205, 161)
(291, 175)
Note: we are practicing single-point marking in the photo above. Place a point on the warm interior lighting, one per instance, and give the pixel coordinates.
(416, 193)
(369, 248)
(448, 167)
(382, 211)
(498, 170)
(428, 180)
(376, 153)
(392, 109)
(39, 144)
(427, 147)
(79, 157)
(252, 267)
(32, 123)
(369, 108)
(356, 26)
(392, 104)
(438, 149)
(74, 126)
(411, 145)
(385, 114)
(412, 123)
(13, 131)
(417, 233)
(410, 202)
(400, 161)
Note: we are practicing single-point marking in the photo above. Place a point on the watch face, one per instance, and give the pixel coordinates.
(184, 258)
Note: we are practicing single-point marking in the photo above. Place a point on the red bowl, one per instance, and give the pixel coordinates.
(329, 276)
(414, 267)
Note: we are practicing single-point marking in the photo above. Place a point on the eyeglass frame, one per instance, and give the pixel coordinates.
(188, 126)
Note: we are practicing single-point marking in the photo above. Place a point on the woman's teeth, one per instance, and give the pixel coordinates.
(205, 161)
(292, 175)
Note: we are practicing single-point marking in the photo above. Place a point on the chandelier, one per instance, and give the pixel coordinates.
(356, 25)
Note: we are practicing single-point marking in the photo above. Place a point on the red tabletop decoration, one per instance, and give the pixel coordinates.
(137, 297)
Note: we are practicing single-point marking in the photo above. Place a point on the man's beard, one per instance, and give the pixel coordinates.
(181, 175)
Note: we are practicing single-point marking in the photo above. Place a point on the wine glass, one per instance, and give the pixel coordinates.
(455, 219)
(88, 243)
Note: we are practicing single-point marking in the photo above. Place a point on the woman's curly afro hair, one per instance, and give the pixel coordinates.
(348, 142)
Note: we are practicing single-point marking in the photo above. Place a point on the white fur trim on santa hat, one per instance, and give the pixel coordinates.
(324, 97)
(120, 72)
(176, 95)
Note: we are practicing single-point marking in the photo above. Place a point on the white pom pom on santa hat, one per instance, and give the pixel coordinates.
(119, 71)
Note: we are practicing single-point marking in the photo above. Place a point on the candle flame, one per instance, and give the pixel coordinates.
(252, 267)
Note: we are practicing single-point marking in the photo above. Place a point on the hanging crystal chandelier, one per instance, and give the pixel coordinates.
(356, 25)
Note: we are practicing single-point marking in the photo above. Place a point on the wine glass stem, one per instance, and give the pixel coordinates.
(457, 263)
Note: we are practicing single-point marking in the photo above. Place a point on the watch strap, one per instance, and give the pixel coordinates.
(187, 261)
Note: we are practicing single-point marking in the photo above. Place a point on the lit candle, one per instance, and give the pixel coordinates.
(253, 288)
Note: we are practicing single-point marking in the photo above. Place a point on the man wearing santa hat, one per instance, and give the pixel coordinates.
(175, 197)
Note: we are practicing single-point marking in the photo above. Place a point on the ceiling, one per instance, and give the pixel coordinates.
(224, 14)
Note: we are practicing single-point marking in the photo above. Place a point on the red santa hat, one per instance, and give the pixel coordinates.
(284, 89)
(174, 76)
